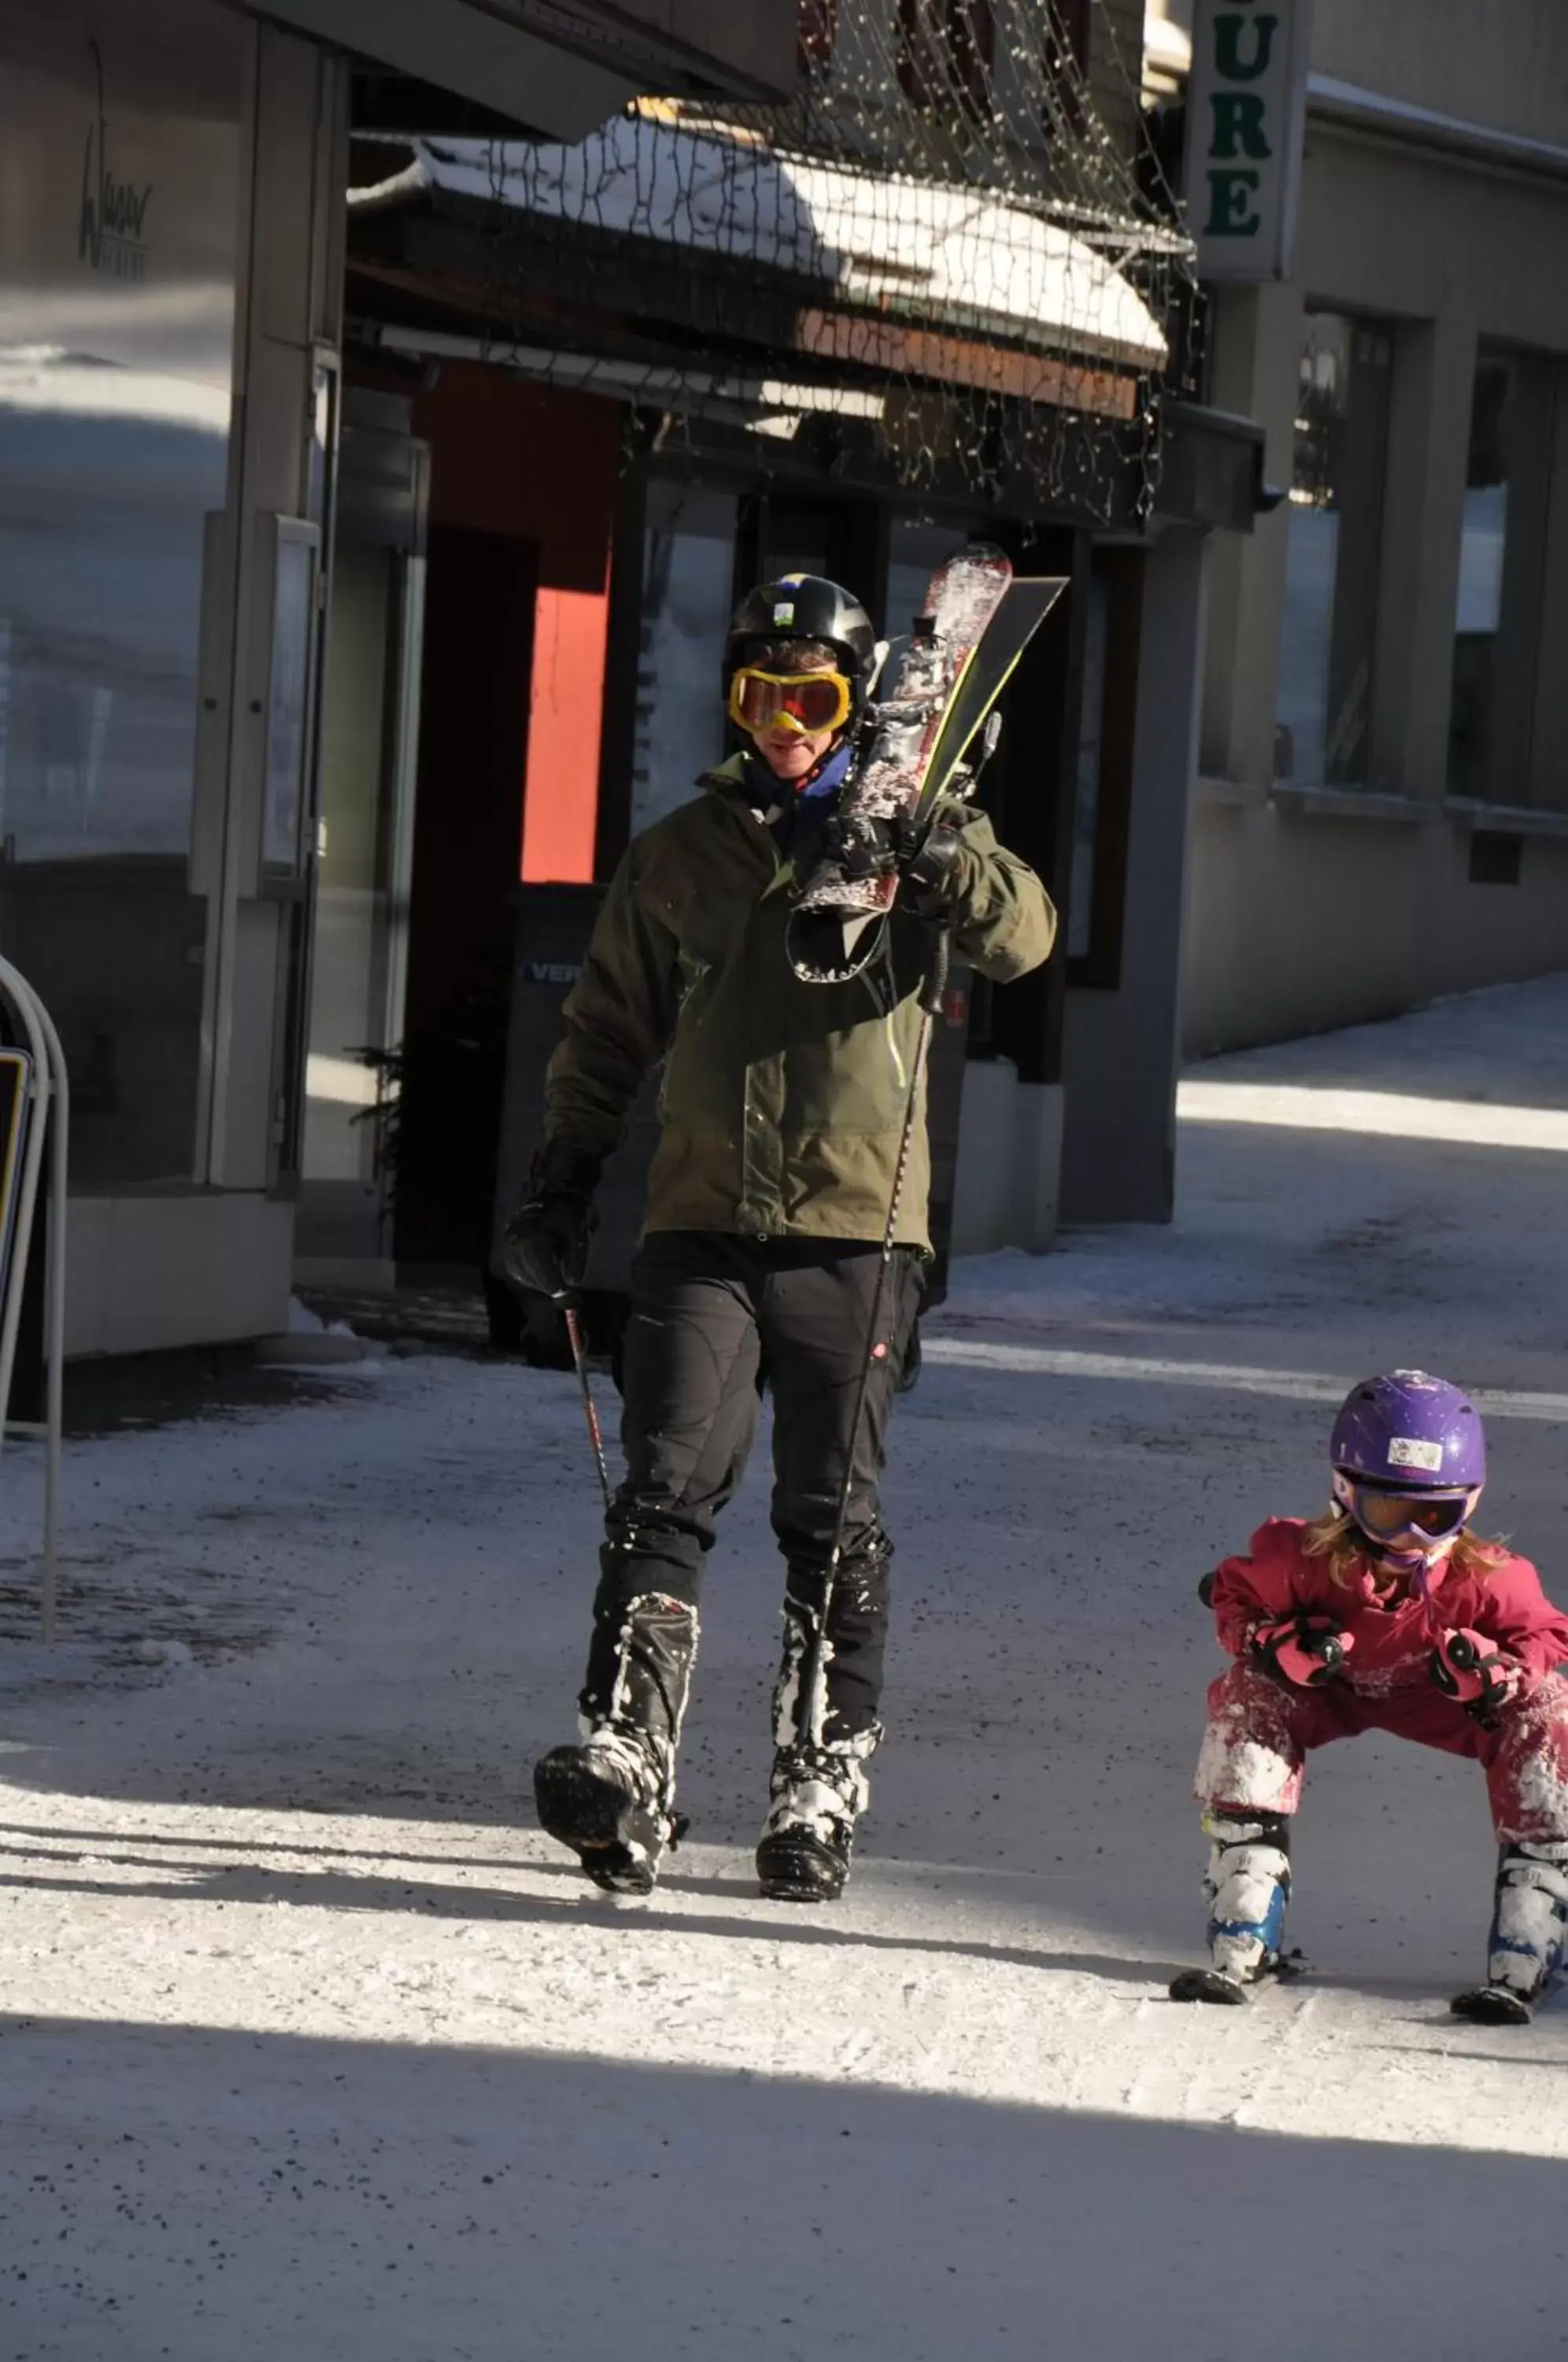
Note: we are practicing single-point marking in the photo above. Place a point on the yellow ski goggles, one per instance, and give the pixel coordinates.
(803, 701)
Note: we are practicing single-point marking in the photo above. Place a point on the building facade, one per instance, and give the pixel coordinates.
(1381, 812)
(171, 409)
(361, 566)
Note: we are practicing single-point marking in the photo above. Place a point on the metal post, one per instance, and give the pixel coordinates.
(49, 1094)
(54, 1326)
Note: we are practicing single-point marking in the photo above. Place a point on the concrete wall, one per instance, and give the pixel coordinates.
(1007, 1187)
(1502, 62)
(147, 1272)
(1121, 1047)
(1305, 918)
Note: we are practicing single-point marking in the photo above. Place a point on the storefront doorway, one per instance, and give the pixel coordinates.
(358, 968)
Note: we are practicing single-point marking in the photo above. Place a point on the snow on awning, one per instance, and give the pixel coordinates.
(905, 274)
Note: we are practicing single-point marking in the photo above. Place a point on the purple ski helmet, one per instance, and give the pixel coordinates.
(1410, 1434)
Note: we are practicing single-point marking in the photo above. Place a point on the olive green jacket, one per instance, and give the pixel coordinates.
(782, 1103)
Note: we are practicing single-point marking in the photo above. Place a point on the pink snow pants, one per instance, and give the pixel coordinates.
(1260, 1733)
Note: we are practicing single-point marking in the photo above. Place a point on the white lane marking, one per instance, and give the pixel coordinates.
(1295, 1385)
(1392, 1115)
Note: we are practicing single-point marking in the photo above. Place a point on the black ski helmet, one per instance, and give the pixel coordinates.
(805, 607)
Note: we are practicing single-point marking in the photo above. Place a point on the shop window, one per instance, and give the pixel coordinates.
(1087, 787)
(946, 51)
(816, 27)
(1501, 556)
(689, 564)
(1103, 799)
(1329, 629)
(118, 255)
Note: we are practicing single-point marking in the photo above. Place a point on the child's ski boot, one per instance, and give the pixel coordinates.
(1530, 1930)
(1247, 1889)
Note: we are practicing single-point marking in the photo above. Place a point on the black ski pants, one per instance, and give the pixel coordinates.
(712, 1314)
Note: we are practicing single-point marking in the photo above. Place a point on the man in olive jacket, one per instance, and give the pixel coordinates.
(781, 1110)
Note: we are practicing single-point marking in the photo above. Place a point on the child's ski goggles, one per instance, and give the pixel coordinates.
(1386, 1516)
(805, 701)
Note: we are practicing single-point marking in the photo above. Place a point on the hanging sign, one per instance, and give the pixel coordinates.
(1247, 105)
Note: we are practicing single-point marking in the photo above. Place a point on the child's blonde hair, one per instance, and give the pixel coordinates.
(1336, 1537)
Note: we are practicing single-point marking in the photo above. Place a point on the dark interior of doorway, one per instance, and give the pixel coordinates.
(794, 533)
(473, 745)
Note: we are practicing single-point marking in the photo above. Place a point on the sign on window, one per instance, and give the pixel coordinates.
(1246, 105)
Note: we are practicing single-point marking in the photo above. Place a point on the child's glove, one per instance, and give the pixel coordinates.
(1483, 1678)
(1304, 1649)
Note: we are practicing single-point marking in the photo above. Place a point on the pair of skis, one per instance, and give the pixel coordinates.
(1478, 2005)
(974, 623)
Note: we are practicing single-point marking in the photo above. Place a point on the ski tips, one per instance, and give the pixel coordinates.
(1492, 2005)
(833, 946)
(1207, 1985)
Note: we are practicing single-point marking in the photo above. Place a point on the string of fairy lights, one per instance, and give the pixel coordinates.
(957, 241)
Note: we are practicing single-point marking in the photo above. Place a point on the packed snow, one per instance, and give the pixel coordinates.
(313, 2046)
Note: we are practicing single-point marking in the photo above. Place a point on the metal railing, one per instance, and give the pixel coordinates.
(46, 1095)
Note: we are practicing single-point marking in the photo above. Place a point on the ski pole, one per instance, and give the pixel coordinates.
(813, 1682)
(580, 1362)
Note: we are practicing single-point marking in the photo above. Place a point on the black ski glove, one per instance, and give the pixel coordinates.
(920, 852)
(545, 1243)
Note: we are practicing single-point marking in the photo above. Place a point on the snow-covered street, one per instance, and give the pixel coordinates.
(313, 2047)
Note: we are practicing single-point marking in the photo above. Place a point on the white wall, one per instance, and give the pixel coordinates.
(1302, 919)
(149, 1272)
(1501, 63)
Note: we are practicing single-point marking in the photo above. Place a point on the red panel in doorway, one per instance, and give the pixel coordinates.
(540, 463)
(561, 812)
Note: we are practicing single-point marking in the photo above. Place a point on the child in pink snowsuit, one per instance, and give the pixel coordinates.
(1388, 1615)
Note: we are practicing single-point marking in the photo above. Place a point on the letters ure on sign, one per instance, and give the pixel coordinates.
(1246, 103)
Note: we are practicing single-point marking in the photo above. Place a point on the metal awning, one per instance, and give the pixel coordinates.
(559, 67)
(919, 278)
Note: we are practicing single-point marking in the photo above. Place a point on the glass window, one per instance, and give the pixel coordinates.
(689, 564)
(1086, 789)
(1497, 601)
(1328, 633)
(120, 133)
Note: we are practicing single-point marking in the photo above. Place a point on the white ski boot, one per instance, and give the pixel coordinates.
(1247, 1888)
(1525, 1952)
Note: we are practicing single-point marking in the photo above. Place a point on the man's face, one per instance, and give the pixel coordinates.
(794, 754)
